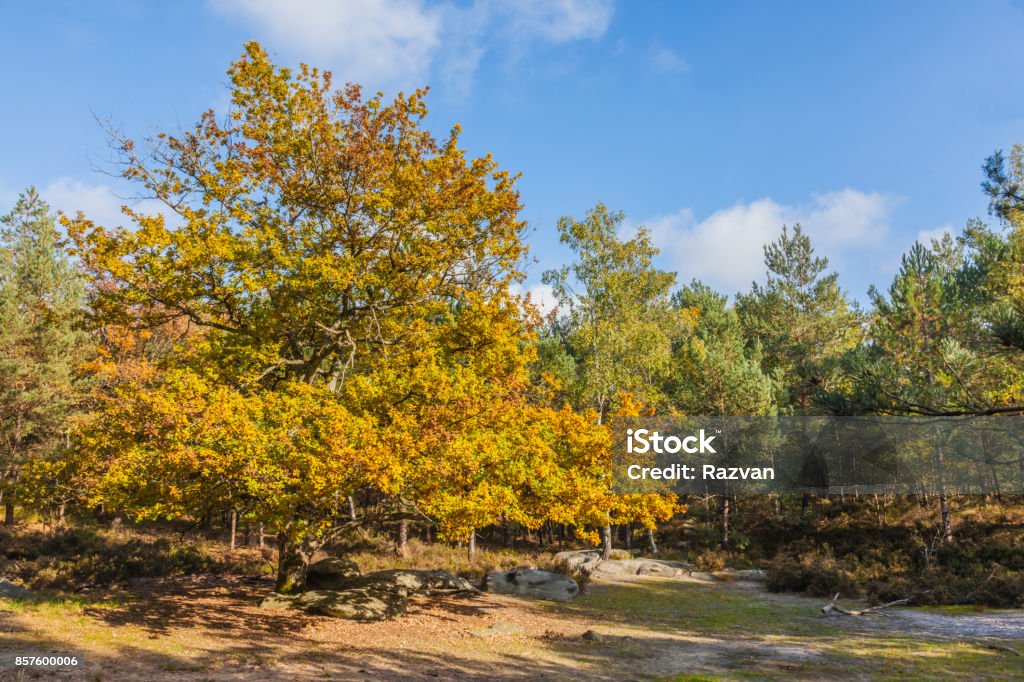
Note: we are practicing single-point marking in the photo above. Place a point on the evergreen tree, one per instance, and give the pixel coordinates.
(801, 318)
(716, 371)
(41, 347)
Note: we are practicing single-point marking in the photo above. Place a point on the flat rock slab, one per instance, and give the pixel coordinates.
(362, 603)
(376, 596)
(427, 583)
(640, 567)
(498, 629)
(528, 582)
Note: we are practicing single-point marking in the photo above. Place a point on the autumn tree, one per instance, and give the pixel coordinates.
(616, 320)
(341, 266)
(41, 345)
(617, 327)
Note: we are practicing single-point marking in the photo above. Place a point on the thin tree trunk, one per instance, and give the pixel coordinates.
(725, 522)
(234, 527)
(471, 545)
(606, 538)
(261, 535)
(402, 545)
(946, 528)
(8, 514)
(650, 541)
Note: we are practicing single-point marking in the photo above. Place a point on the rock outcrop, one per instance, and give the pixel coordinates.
(331, 574)
(529, 582)
(375, 596)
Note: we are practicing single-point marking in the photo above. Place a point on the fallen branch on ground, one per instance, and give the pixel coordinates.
(998, 647)
(832, 607)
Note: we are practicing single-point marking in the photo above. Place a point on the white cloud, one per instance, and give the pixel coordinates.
(668, 61)
(925, 237)
(368, 40)
(99, 203)
(541, 295)
(558, 21)
(726, 248)
(385, 43)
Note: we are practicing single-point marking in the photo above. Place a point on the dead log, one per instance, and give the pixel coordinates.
(833, 608)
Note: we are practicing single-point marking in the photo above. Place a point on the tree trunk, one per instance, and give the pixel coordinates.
(606, 542)
(261, 535)
(725, 522)
(945, 528)
(234, 528)
(8, 514)
(292, 560)
(650, 541)
(471, 545)
(402, 544)
(509, 538)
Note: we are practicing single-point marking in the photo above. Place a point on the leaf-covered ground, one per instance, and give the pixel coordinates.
(210, 628)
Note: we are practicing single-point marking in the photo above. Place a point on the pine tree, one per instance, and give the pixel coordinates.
(801, 318)
(716, 372)
(41, 347)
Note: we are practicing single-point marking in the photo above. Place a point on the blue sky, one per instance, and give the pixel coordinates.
(712, 123)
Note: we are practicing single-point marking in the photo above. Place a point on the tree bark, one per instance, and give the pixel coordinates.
(650, 541)
(8, 514)
(471, 545)
(606, 542)
(292, 560)
(946, 528)
(234, 528)
(725, 522)
(402, 544)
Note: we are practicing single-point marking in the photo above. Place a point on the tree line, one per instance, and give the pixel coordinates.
(321, 332)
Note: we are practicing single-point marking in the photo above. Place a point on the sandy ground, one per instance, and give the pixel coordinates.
(208, 628)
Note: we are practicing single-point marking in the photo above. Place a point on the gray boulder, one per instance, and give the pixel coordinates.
(639, 567)
(12, 591)
(361, 603)
(331, 574)
(578, 563)
(375, 596)
(409, 582)
(528, 582)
